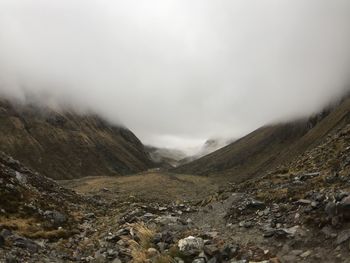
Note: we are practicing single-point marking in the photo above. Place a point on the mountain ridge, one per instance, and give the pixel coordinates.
(64, 145)
(270, 146)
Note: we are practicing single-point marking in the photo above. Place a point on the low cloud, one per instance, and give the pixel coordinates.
(177, 72)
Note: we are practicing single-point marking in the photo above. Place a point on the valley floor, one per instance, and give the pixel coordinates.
(232, 223)
(147, 186)
(163, 217)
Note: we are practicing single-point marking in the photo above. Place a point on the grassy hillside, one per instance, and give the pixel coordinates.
(67, 145)
(270, 146)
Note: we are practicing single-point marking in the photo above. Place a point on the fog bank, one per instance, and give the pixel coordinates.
(178, 72)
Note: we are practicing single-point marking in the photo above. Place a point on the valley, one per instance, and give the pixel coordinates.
(279, 194)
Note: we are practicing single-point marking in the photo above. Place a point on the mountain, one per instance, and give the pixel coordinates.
(165, 157)
(208, 147)
(211, 145)
(64, 145)
(170, 158)
(270, 146)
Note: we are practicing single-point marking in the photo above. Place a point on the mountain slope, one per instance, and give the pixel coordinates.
(32, 204)
(270, 146)
(68, 145)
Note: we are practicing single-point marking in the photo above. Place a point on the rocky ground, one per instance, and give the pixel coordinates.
(297, 213)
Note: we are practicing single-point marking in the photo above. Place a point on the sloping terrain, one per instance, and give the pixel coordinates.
(270, 146)
(64, 145)
(33, 207)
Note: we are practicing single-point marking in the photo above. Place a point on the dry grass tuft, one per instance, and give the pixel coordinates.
(139, 249)
(273, 194)
(145, 235)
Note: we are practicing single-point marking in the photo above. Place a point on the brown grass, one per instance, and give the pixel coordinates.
(23, 226)
(151, 186)
(31, 228)
(50, 235)
(278, 194)
(139, 250)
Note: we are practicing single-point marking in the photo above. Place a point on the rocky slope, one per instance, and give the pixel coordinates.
(64, 145)
(32, 207)
(270, 146)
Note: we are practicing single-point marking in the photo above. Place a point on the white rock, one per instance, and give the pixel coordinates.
(191, 243)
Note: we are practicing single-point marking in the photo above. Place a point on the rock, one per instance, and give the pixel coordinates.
(2, 241)
(121, 243)
(307, 176)
(112, 238)
(331, 209)
(269, 233)
(281, 232)
(11, 259)
(191, 245)
(255, 204)
(152, 252)
(55, 217)
(22, 179)
(5, 233)
(162, 246)
(90, 216)
(229, 252)
(116, 260)
(314, 204)
(210, 235)
(343, 237)
(306, 254)
(340, 196)
(248, 224)
(328, 232)
(289, 259)
(344, 207)
(178, 260)
(122, 232)
(111, 254)
(303, 202)
(211, 250)
(165, 237)
(274, 260)
(200, 259)
(296, 252)
(167, 220)
(213, 260)
(26, 244)
(149, 215)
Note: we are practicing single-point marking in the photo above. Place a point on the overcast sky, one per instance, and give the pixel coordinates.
(177, 72)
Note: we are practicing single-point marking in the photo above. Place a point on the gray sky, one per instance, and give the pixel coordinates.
(177, 72)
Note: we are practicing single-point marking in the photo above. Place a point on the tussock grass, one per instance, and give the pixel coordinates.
(139, 248)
